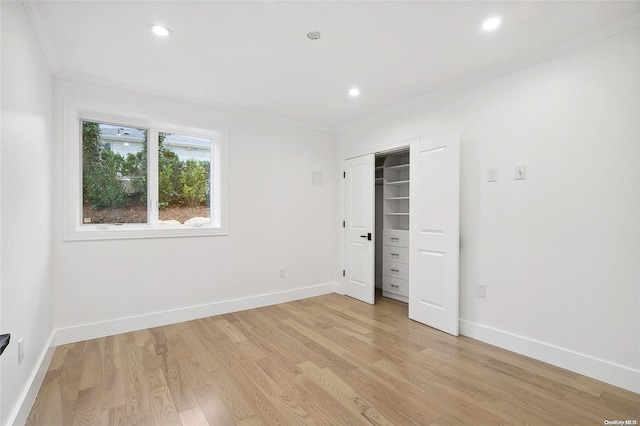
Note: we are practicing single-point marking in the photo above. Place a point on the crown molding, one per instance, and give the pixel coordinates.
(41, 35)
(572, 45)
(173, 97)
(46, 47)
(577, 43)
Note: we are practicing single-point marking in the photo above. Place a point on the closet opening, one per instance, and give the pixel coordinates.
(392, 224)
(401, 211)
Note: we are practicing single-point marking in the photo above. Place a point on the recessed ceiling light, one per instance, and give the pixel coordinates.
(353, 92)
(161, 31)
(491, 23)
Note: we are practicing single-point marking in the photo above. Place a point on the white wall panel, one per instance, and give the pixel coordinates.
(277, 219)
(26, 287)
(558, 251)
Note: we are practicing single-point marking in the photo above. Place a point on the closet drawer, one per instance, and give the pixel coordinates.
(395, 254)
(395, 270)
(394, 285)
(396, 238)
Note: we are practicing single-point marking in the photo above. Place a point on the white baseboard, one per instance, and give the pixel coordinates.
(156, 319)
(23, 406)
(608, 372)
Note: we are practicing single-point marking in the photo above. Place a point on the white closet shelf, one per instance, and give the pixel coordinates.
(397, 182)
(397, 198)
(397, 214)
(398, 167)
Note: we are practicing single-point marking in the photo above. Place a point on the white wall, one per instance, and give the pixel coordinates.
(26, 278)
(559, 251)
(277, 218)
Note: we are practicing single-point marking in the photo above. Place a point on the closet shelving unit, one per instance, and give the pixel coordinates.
(395, 270)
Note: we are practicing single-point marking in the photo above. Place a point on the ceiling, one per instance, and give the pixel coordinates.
(256, 56)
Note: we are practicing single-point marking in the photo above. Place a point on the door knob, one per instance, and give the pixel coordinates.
(368, 236)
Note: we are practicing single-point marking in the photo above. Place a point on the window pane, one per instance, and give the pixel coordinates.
(114, 174)
(184, 183)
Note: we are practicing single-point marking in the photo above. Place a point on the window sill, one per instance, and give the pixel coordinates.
(127, 232)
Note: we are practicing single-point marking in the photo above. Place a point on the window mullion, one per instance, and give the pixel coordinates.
(152, 177)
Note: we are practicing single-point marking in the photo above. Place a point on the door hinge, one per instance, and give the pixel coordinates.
(344, 273)
(344, 175)
(344, 224)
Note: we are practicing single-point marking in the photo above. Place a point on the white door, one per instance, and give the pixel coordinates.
(434, 232)
(359, 224)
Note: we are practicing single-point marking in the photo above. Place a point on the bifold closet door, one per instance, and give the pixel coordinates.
(359, 223)
(434, 232)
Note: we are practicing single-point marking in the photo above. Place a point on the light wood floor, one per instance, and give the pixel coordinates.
(329, 360)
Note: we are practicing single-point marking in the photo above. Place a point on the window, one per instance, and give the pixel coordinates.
(138, 177)
(114, 174)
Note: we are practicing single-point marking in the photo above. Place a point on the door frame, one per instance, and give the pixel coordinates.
(387, 148)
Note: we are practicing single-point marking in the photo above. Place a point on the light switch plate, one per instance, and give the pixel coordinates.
(481, 290)
(317, 178)
(520, 171)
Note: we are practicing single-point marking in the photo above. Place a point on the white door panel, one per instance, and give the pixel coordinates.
(434, 232)
(430, 266)
(359, 199)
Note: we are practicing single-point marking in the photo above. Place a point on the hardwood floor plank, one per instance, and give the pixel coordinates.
(327, 360)
(135, 395)
(70, 376)
(89, 407)
(193, 417)
(596, 410)
(253, 421)
(160, 399)
(200, 353)
(327, 406)
(288, 383)
(239, 366)
(623, 402)
(111, 354)
(230, 330)
(149, 358)
(114, 416)
(143, 337)
(58, 357)
(47, 401)
(194, 374)
(159, 341)
(232, 397)
(212, 407)
(310, 335)
(141, 418)
(178, 384)
(345, 394)
(178, 348)
(113, 389)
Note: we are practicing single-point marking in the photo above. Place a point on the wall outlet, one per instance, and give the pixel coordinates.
(20, 350)
(481, 290)
(282, 272)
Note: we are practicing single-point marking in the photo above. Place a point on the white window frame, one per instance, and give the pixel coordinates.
(76, 111)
